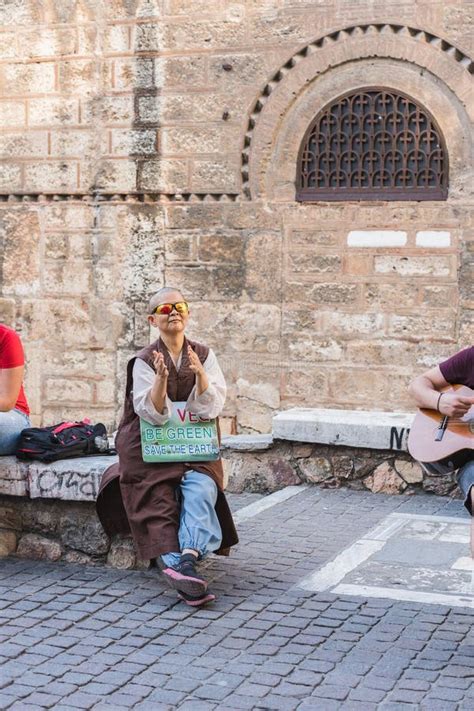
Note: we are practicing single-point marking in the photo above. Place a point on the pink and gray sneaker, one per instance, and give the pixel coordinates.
(184, 578)
(197, 601)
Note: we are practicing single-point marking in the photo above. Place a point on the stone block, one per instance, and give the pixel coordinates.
(75, 143)
(51, 176)
(437, 239)
(263, 267)
(247, 443)
(307, 348)
(259, 391)
(111, 110)
(254, 416)
(206, 106)
(302, 262)
(183, 141)
(83, 533)
(10, 178)
(315, 470)
(38, 547)
(329, 293)
(247, 330)
(38, 315)
(111, 175)
(132, 73)
(197, 281)
(385, 480)
(116, 39)
(86, 39)
(415, 266)
(82, 76)
(54, 111)
(220, 175)
(353, 324)
(41, 517)
(67, 390)
(422, 326)
(149, 110)
(69, 277)
(235, 71)
(376, 238)
(35, 78)
(7, 312)
(301, 385)
(8, 49)
(68, 479)
(205, 33)
(389, 296)
(12, 114)
(411, 472)
(8, 543)
(358, 264)
(126, 141)
(313, 238)
(221, 247)
(71, 244)
(148, 37)
(10, 517)
(122, 553)
(261, 473)
(32, 144)
(166, 176)
(72, 216)
(21, 245)
(352, 428)
(180, 248)
(435, 295)
(47, 42)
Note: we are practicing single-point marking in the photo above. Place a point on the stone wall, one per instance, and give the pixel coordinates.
(155, 141)
(48, 510)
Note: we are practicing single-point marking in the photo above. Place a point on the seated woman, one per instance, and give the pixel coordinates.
(14, 408)
(176, 510)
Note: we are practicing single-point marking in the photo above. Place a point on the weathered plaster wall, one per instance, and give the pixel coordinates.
(155, 141)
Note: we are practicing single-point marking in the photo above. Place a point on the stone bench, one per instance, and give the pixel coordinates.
(48, 510)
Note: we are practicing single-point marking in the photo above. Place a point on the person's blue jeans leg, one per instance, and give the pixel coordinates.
(11, 425)
(199, 527)
(466, 482)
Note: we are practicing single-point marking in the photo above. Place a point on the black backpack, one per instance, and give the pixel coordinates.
(62, 441)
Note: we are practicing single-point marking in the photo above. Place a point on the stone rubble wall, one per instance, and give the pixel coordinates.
(155, 141)
(48, 511)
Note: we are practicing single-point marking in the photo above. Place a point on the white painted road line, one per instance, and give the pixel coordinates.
(404, 594)
(333, 572)
(267, 502)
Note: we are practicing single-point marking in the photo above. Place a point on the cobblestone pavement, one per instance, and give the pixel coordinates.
(74, 637)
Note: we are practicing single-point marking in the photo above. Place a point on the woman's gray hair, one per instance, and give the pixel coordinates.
(158, 297)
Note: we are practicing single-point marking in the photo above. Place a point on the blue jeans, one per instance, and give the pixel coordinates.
(199, 527)
(466, 482)
(11, 424)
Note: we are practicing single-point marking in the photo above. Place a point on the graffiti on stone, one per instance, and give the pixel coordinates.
(71, 485)
(398, 437)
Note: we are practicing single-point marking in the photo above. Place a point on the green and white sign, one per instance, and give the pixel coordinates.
(186, 437)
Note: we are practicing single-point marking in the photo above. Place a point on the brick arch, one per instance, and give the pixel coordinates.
(416, 46)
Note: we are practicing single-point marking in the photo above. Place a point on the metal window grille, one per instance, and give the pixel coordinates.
(372, 144)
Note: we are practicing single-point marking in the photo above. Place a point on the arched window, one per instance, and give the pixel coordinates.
(372, 144)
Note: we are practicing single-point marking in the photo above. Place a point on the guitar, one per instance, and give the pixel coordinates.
(442, 444)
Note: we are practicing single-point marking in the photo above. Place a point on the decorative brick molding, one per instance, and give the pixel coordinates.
(372, 31)
(119, 197)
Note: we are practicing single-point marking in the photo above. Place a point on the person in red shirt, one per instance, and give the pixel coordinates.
(14, 410)
(427, 388)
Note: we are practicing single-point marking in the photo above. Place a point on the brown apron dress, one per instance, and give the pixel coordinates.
(139, 497)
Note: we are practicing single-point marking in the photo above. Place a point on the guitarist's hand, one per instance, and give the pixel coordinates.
(455, 405)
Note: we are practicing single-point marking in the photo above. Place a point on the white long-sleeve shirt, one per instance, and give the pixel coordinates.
(209, 404)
